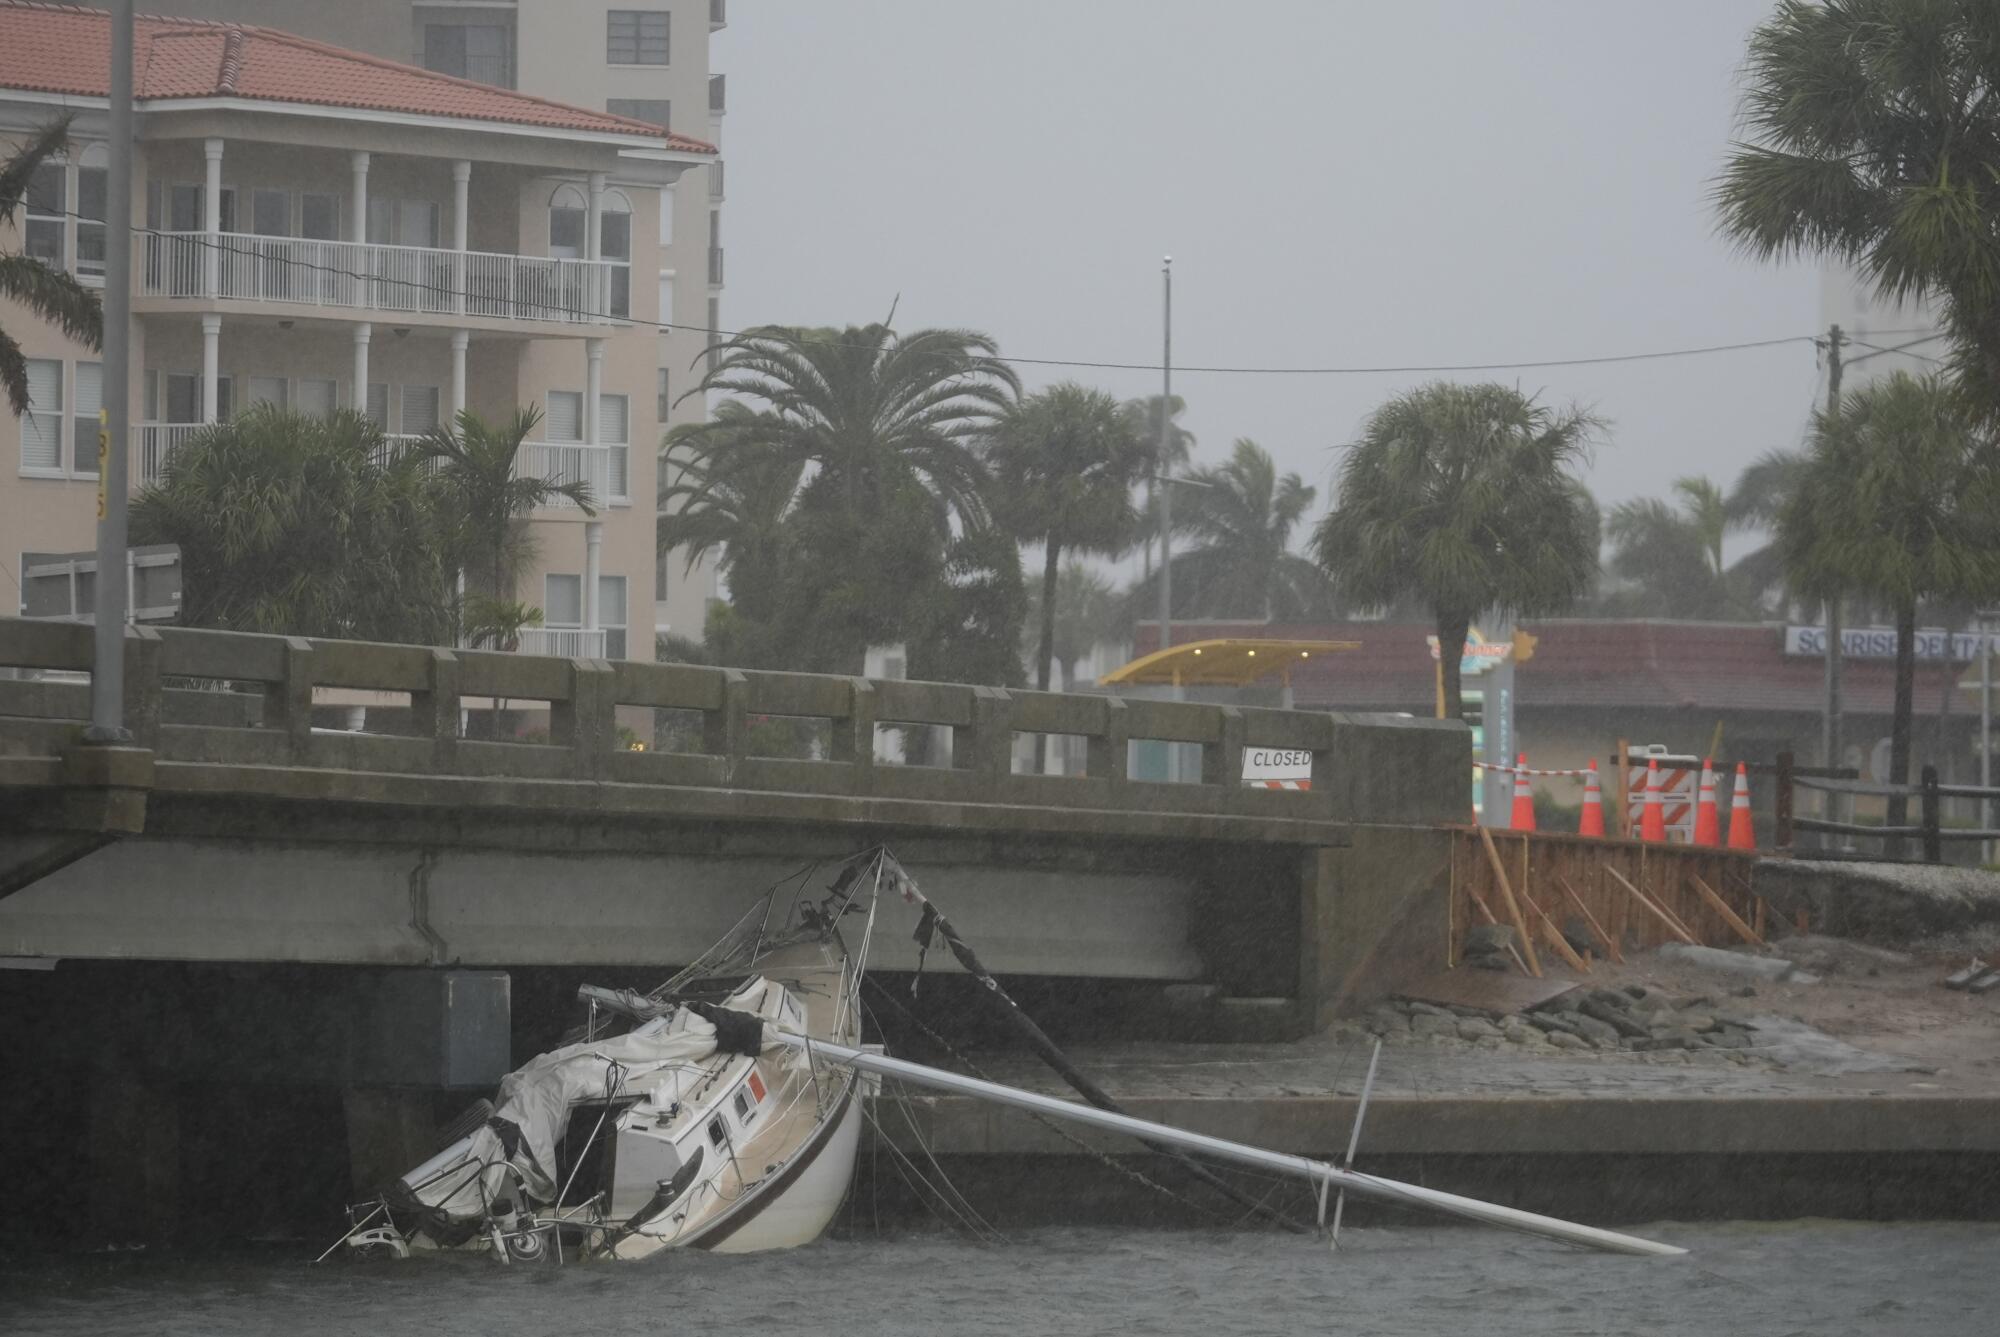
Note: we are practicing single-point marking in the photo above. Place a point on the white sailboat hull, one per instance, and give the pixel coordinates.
(800, 1212)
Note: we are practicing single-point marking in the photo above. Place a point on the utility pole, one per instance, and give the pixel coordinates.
(1830, 741)
(107, 664)
(1166, 511)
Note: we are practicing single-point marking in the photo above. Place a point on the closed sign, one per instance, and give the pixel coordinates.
(1277, 768)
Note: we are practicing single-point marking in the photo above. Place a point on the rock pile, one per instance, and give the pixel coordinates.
(1634, 1019)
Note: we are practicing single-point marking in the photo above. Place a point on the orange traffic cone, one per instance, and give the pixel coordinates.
(1524, 802)
(1707, 821)
(1593, 805)
(1653, 818)
(1742, 834)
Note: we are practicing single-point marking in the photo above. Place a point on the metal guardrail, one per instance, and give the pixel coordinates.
(275, 678)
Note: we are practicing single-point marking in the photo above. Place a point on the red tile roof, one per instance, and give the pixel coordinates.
(1587, 664)
(48, 48)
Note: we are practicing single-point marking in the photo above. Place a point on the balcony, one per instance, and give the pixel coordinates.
(153, 443)
(715, 266)
(563, 642)
(602, 468)
(718, 98)
(718, 14)
(363, 277)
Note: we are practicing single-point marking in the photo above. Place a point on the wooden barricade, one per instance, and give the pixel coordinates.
(1613, 895)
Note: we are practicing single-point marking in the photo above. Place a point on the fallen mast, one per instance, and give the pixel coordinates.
(1320, 1173)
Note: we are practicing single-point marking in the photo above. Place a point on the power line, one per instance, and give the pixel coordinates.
(1899, 348)
(559, 308)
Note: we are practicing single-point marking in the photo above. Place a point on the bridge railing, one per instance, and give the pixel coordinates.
(243, 699)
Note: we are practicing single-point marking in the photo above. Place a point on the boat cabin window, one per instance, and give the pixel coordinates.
(716, 1131)
(742, 1103)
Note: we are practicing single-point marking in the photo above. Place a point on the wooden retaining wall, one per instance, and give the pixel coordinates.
(1555, 882)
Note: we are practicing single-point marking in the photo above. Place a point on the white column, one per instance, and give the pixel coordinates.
(597, 467)
(211, 367)
(599, 286)
(211, 215)
(459, 340)
(593, 564)
(362, 333)
(461, 186)
(359, 220)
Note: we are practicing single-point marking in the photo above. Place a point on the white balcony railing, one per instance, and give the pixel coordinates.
(152, 443)
(365, 277)
(563, 642)
(602, 468)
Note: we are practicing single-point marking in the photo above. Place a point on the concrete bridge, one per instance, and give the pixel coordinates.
(234, 830)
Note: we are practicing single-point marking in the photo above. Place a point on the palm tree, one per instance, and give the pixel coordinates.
(1899, 499)
(51, 294)
(1464, 498)
(1673, 553)
(869, 409)
(1144, 414)
(1875, 140)
(1063, 463)
(475, 464)
(1241, 515)
(303, 525)
(730, 495)
(1755, 502)
(1087, 610)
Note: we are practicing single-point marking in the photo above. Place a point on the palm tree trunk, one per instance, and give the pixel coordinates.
(1045, 655)
(1452, 629)
(1899, 721)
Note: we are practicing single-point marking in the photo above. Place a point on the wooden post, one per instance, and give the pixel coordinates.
(1674, 926)
(1933, 839)
(1621, 764)
(1609, 943)
(1782, 832)
(1557, 941)
(1729, 916)
(1513, 906)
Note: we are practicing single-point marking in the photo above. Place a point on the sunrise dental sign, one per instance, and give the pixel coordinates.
(1880, 643)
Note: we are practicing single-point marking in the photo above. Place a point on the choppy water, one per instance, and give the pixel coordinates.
(1819, 1278)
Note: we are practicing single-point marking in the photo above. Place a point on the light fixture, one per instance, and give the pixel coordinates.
(402, 331)
(1253, 654)
(1302, 654)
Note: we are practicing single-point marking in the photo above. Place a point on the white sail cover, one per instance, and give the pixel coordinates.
(468, 1176)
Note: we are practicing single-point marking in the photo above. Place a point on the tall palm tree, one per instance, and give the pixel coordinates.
(871, 410)
(1145, 413)
(1899, 499)
(304, 525)
(1241, 515)
(52, 294)
(1464, 498)
(1063, 464)
(1673, 553)
(1874, 134)
(730, 495)
(475, 465)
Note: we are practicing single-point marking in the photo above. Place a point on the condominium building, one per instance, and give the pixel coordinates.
(647, 59)
(324, 228)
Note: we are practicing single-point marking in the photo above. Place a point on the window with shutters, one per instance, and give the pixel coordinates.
(663, 396)
(562, 420)
(318, 397)
(637, 37)
(614, 430)
(611, 614)
(562, 600)
(41, 425)
(93, 185)
(615, 244)
(86, 398)
(483, 52)
(47, 206)
(378, 404)
(265, 390)
(420, 409)
(653, 111)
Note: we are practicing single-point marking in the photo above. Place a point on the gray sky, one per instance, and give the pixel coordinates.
(1340, 184)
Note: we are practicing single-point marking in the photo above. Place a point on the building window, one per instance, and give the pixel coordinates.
(394, 222)
(636, 37)
(562, 601)
(483, 52)
(93, 184)
(86, 398)
(663, 397)
(41, 425)
(563, 419)
(420, 409)
(378, 404)
(611, 614)
(265, 390)
(319, 216)
(614, 416)
(184, 397)
(318, 398)
(666, 216)
(666, 298)
(615, 245)
(714, 328)
(653, 111)
(47, 205)
(660, 582)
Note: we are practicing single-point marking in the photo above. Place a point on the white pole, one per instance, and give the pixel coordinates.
(114, 446)
(1302, 1167)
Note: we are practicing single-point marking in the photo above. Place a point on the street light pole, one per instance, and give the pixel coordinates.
(107, 664)
(1165, 490)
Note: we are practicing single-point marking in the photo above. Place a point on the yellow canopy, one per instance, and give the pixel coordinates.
(1232, 662)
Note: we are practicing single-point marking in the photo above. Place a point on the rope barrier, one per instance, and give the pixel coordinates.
(1528, 770)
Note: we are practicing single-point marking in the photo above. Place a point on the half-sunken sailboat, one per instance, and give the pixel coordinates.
(677, 1118)
(723, 1109)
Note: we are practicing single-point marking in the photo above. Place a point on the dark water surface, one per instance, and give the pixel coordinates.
(1813, 1277)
